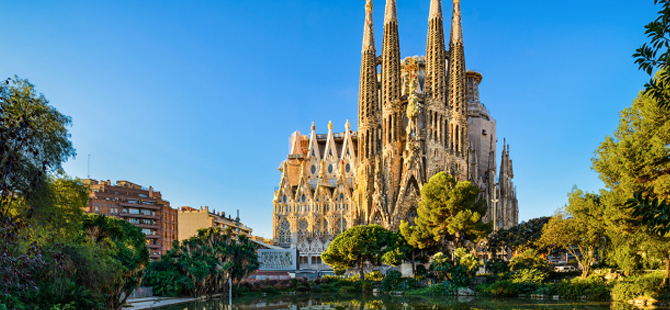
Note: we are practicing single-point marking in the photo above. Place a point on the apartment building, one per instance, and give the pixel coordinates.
(141, 206)
(192, 219)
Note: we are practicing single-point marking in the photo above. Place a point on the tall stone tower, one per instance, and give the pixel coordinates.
(435, 91)
(458, 127)
(392, 107)
(369, 115)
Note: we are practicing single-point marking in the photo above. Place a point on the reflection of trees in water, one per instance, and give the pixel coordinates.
(360, 302)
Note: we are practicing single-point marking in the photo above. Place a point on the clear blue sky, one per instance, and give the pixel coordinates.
(198, 98)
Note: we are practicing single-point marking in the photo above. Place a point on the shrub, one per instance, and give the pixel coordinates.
(534, 276)
(503, 289)
(374, 276)
(460, 276)
(497, 266)
(648, 285)
(391, 281)
(420, 273)
(593, 288)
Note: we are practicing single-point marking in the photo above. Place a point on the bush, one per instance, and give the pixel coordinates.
(420, 273)
(391, 281)
(374, 276)
(593, 288)
(460, 276)
(534, 276)
(502, 289)
(648, 285)
(497, 266)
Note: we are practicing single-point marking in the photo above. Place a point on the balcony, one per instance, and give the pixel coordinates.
(143, 216)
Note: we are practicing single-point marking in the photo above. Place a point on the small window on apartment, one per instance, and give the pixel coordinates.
(116, 192)
(97, 209)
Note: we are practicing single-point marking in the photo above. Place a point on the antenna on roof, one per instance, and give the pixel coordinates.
(88, 174)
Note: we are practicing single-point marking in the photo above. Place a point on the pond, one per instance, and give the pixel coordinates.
(360, 302)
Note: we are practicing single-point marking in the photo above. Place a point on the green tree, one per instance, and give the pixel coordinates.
(419, 241)
(34, 141)
(449, 211)
(520, 237)
(128, 247)
(578, 229)
(635, 160)
(358, 245)
(203, 264)
(655, 56)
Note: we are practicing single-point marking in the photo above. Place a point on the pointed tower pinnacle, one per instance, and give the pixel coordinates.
(435, 9)
(391, 70)
(456, 87)
(436, 54)
(456, 24)
(368, 31)
(391, 13)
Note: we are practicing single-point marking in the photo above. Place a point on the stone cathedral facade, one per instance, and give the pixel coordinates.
(417, 116)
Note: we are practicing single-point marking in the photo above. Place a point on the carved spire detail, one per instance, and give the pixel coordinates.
(368, 32)
(456, 24)
(435, 9)
(391, 14)
(436, 54)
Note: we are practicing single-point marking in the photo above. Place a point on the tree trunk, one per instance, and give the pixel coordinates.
(360, 270)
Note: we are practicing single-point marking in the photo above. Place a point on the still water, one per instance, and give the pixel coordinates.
(358, 302)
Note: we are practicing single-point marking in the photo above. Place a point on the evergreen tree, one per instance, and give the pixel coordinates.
(449, 211)
(635, 160)
(359, 245)
(520, 237)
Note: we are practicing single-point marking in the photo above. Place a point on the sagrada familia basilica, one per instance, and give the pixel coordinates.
(416, 117)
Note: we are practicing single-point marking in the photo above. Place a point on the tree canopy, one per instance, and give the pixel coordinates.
(579, 229)
(449, 211)
(520, 237)
(359, 245)
(634, 162)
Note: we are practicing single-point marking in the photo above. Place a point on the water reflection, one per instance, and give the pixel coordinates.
(357, 302)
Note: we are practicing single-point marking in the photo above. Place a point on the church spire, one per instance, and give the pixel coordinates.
(436, 54)
(368, 32)
(391, 70)
(391, 13)
(367, 99)
(456, 24)
(456, 83)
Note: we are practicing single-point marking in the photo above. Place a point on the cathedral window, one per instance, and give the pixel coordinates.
(313, 168)
(284, 232)
(302, 228)
(313, 154)
(330, 168)
(330, 152)
(348, 167)
(284, 199)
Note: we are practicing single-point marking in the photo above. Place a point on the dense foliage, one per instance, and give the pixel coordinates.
(361, 245)
(449, 213)
(520, 237)
(203, 264)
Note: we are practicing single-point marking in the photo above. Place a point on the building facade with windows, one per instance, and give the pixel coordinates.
(417, 116)
(192, 219)
(140, 206)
